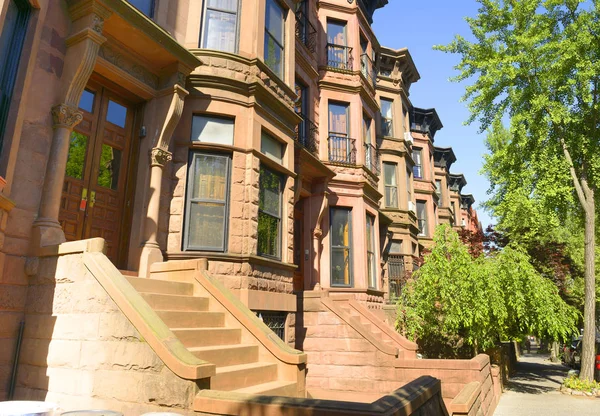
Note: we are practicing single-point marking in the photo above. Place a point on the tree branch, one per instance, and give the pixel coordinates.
(580, 192)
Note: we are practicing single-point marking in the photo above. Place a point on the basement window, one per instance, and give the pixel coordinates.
(275, 320)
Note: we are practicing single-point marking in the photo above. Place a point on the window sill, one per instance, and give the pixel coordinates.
(236, 258)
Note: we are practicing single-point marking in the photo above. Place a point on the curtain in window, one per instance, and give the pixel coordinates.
(207, 195)
(338, 119)
(340, 247)
(220, 25)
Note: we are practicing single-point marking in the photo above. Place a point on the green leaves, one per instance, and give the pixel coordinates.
(457, 305)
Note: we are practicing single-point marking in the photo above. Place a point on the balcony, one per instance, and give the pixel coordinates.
(306, 134)
(367, 69)
(342, 149)
(305, 31)
(339, 57)
(396, 277)
(372, 158)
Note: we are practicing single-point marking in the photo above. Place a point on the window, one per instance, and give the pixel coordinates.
(11, 44)
(391, 188)
(274, 29)
(408, 188)
(454, 213)
(387, 128)
(371, 161)
(271, 147)
(418, 167)
(341, 147)
(207, 200)
(220, 25)
(208, 129)
(338, 54)
(371, 263)
(422, 217)
(438, 191)
(341, 251)
(269, 213)
(395, 267)
(144, 6)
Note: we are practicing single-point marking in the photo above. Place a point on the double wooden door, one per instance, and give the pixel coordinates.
(93, 197)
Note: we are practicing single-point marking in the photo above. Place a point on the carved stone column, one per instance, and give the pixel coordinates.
(159, 157)
(80, 59)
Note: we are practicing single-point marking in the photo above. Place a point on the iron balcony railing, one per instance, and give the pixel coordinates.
(372, 158)
(339, 57)
(396, 276)
(305, 31)
(367, 69)
(342, 149)
(307, 133)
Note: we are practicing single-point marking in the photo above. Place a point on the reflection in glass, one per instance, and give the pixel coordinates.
(220, 26)
(77, 151)
(269, 212)
(274, 21)
(86, 102)
(208, 129)
(341, 255)
(110, 166)
(116, 114)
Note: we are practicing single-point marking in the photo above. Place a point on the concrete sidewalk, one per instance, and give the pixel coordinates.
(533, 390)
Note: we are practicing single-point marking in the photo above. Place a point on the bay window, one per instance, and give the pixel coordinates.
(341, 250)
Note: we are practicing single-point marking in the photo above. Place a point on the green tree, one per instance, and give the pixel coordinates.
(458, 305)
(537, 61)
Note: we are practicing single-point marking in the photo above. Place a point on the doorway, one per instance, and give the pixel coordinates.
(95, 187)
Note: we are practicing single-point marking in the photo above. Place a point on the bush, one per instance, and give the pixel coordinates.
(575, 383)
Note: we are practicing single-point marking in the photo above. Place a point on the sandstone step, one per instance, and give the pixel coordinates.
(203, 337)
(227, 355)
(182, 319)
(244, 375)
(272, 388)
(161, 286)
(131, 273)
(176, 302)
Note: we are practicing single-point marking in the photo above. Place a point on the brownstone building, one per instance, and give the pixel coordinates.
(208, 200)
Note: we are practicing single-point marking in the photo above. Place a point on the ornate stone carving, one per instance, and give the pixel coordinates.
(97, 24)
(173, 116)
(160, 157)
(132, 68)
(65, 115)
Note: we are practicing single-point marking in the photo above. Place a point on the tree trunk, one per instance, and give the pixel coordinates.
(589, 307)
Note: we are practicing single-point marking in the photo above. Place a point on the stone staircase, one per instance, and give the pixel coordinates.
(210, 336)
(366, 323)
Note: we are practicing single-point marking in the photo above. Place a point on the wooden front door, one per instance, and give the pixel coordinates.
(93, 195)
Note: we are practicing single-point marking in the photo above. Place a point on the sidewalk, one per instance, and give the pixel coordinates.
(533, 390)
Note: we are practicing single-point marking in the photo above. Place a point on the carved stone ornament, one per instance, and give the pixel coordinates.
(97, 24)
(65, 115)
(160, 157)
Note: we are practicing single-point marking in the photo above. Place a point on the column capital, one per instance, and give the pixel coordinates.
(160, 157)
(64, 115)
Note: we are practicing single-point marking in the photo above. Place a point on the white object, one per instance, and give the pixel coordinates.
(408, 137)
(26, 408)
(412, 207)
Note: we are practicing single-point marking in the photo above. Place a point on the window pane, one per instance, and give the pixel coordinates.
(8, 29)
(116, 114)
(273, 55)
(340, 227)
(86, 102)
(268, 234)
(110, 166)
(271, 147)
(391, 197)
(370, 223)
(340, 267)
(338, 118)
(336, 33)
(396, 246)
(220, 31)
(228, 5)
(207, 129)
(386, 108)
(389, 173)
(77, 152)
(206, 225)
(274, 21)
(270, 192)
(210, 177)
(144, 6)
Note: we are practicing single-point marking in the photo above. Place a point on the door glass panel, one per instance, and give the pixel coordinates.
(116, 114)
(110, 165)
(77, 151)
(86, 102)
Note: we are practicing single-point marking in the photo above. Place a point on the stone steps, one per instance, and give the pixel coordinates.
(204, 337)
(176, 302)
(272, 388)
(226, 355)
(240, 376)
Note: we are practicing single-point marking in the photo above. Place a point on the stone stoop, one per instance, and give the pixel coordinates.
(207, 335)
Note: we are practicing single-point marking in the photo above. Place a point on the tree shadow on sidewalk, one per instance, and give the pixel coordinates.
(537, 378)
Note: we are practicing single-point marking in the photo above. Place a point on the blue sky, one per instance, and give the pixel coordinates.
(418, 25)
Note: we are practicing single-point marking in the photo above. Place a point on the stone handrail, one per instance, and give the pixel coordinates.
(405, 401)
(154, 331)
(464, 401)
(355, 324)
(249, 320)
(383, 327)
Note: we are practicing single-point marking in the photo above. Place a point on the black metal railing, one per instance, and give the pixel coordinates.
(372, 158)
(367, 69)
(342, 149)
(396, 276)
(339, 57)
(274, 320)
(386, 127)
(305, 31)
(307, 133)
